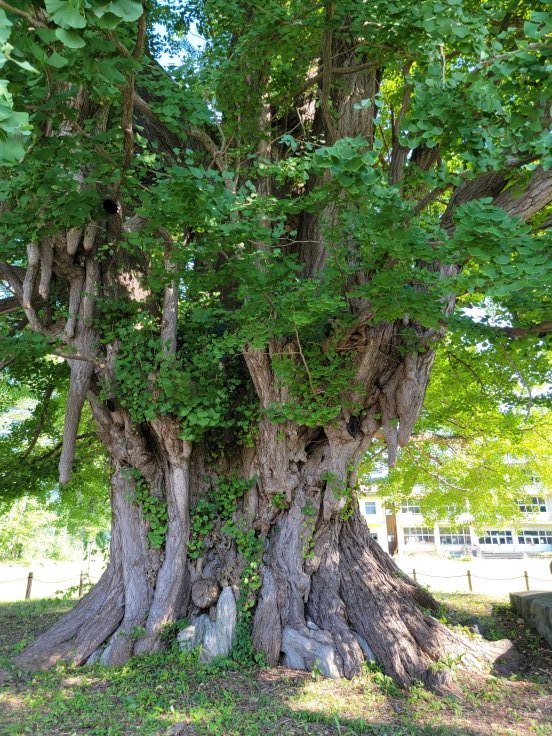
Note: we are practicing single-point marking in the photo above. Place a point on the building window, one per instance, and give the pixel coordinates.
(495, 536)
(419, 534)
(459, 537)
(533, 505)
(410, 507)
(369, 508)
(535, 536)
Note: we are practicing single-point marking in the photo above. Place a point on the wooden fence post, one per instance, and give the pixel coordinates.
(414, 576)
(81, 584)
(29, 586)
(468, 572)
(526, 576)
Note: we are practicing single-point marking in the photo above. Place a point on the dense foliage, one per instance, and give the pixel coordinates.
(228, 154)
(40, 518)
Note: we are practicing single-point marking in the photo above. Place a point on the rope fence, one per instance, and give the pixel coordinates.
(80, 584)
(470, 577)
(84, 580)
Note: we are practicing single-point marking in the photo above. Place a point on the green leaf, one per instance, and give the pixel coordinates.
(127, 10)
(57, 61)
(25, 65)
(12, 150)
(66, 13)
(71, 39)
(46, 34)
(5, 27)
(532, 30)
(109, 21)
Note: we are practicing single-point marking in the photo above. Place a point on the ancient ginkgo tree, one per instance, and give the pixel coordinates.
(247, 263)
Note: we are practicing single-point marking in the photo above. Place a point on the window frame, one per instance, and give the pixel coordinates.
(421, 534)
(411, 507)
(542, 536)
(533, 505)
(463, 533)
(494, 536)
(370, 513)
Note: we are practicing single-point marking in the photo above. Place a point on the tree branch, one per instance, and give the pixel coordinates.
(9, 304)
(200, 135)
(22, 14)
(399, 153)
(536, 195)
(327, 75)
(57, 448)
(128, 96)
(341, 70)
(540, 329)
(508, 54)
(169, 320)
(488, 184)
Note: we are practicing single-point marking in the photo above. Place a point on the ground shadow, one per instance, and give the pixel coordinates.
(530, 655)
(168, 693)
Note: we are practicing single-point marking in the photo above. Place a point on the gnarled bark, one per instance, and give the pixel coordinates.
(95, 617)
(329, 596)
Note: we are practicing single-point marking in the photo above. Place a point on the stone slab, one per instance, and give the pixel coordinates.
(535, 606)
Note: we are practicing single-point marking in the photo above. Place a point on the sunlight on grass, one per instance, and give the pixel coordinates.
(170, 693)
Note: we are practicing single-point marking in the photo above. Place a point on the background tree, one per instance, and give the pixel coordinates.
(248, 264)
(33, 395)
(483, 436)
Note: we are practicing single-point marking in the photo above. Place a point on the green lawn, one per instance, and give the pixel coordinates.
(170, 694)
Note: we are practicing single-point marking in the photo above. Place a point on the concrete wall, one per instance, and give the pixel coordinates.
(536, 608)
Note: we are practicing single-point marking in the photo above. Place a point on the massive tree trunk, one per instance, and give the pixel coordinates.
(326, 594)
(283, 536)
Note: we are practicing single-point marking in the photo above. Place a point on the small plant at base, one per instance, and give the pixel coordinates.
(170, 631)
(250, 547)
(316, 672)
(73, 591)
(441, 614)
(386, 684)
(448, 663)
(136, 633)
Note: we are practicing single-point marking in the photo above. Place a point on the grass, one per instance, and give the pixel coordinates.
(170, 693)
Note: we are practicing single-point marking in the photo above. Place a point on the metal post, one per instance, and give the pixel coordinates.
(414, 576)
(81, 584)
(29, 586)
(525, 574)
(468, 573)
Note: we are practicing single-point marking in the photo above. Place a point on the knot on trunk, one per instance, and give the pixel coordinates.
(205, 593)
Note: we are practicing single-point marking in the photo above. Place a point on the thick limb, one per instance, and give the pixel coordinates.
(173, 580)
